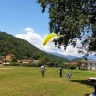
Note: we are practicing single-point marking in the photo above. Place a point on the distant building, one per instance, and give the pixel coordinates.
(2, 57)
(36, 61)
(9, 57)
(25, 61)
(1, 61)
(88, 64)
(6, 63)
(28, 61)
(73, 63)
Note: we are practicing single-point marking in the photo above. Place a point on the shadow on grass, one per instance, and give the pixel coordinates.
(84, 82)
(87, 94)
(91, 84)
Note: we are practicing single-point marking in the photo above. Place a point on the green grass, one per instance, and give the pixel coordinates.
(27, 81)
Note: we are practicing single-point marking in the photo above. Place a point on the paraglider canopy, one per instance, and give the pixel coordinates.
(48, 38)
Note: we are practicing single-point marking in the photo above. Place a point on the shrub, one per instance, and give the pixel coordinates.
(14, 64)
(72, 67)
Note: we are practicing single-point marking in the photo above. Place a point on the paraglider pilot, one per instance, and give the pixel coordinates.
(60, 71)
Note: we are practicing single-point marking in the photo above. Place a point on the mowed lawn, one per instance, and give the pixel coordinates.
(27, 81)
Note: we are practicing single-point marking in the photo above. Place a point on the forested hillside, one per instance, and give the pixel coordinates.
(23, 49)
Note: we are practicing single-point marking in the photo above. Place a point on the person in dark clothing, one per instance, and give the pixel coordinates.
(95, 89)
(93, 82)
(60, 71)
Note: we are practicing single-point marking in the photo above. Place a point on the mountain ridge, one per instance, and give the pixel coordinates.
(70, 57)
(73, 58)
(23, 49)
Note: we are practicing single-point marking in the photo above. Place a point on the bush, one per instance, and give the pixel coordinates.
(72, 67)
(25, 64)
(14, 64)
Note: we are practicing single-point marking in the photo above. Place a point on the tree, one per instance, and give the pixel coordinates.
(69, 19)
(36, 56)
(43, 59)
(79, 63)
(14, 60)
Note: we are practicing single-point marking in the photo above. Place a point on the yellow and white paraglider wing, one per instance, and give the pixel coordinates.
(48, 38)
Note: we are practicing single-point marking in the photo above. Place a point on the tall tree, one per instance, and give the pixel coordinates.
(72, 19)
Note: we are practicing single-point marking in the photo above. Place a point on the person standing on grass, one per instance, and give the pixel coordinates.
(60, 71)
(43, 69)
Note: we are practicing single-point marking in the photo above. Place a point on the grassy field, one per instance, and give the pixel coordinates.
(27, 81)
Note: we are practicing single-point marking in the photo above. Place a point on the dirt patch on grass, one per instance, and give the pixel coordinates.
(6, 68)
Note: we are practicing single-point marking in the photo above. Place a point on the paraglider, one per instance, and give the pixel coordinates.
(48, 38)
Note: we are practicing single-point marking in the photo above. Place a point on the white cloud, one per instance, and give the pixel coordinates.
(29, 30)
(36, 40)
(32, 37)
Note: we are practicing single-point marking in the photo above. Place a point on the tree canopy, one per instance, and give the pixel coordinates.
(72, 19)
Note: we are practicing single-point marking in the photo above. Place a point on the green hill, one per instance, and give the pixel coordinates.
(22, 48)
